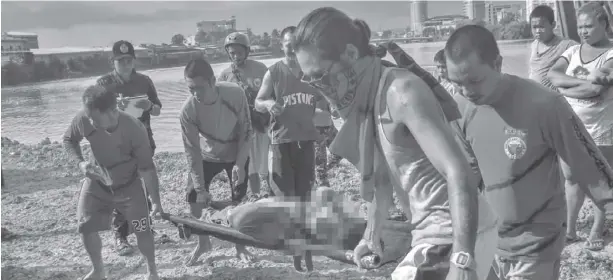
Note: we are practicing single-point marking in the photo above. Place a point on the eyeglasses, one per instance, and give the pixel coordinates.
(319, 79)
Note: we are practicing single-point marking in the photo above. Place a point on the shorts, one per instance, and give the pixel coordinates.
(292, 168)
(503, 269)
(258, 154)
(424, 262)
(211, 169)
(96, 204)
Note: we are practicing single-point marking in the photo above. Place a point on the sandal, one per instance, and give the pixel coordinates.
(572, 239)
(594, 245)
(123, 248)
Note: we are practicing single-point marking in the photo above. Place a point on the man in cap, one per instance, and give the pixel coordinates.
(248, 75)
(126, 82)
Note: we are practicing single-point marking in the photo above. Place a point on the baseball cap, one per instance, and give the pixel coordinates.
(123, 49)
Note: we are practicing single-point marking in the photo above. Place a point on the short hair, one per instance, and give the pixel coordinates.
(543, 11)
(472, 38)
(595, 10)
(289, 29)
(199, 67)
(330, 30)
(439, 57)
(101, 98)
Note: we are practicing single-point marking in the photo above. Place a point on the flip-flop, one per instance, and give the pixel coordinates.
(594, 245)
(572, 239)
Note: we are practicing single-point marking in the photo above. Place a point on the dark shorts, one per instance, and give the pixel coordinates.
(292, 168)
(96, 204)
(424, 262)
(211, 169)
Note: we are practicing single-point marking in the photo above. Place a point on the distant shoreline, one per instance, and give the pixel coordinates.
(85, 76)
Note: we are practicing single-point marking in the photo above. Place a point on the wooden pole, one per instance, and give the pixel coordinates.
(567, 19)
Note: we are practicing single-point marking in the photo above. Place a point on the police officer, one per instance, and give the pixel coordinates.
(126, 82)
(248, 74)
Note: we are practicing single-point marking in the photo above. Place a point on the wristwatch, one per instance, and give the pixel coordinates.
(463, 260)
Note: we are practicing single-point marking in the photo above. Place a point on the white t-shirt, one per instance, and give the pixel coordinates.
(597, 112)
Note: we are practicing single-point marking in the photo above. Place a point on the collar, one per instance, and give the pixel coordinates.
(119, 79)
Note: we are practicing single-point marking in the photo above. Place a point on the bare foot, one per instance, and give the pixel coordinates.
(244, 255)
(191, 261)
(95, 275)
(153, 276)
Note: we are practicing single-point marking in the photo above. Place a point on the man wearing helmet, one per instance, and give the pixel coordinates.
(248, 75)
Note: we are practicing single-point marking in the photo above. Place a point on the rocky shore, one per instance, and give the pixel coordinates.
(39, 204)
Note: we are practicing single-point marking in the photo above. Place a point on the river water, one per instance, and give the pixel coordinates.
(33, 112)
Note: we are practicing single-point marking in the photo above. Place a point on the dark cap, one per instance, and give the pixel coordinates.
(122, 49)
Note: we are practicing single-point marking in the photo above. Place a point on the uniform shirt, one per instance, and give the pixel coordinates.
(138, 84)
(296, 122)
(212, 132)
(252, 73)
(596, 112)
(516, 143)
(540, 63)
(120, 154)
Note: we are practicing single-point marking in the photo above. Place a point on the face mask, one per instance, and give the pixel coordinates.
(335, 86)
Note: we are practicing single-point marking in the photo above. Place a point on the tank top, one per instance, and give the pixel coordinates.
(296, 121)
(412, 171)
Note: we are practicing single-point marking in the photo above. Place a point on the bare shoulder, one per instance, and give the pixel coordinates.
(406, 90)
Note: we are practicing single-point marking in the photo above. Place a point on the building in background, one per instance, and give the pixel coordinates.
(419, 14)
(30, 39)
(209, 26)
(474, 9)
(495, 12)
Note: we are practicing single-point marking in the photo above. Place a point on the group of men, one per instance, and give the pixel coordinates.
(497, 140)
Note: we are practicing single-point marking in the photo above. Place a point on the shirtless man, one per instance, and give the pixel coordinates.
(248, 74)
(121, 153)
(429, 173)
(516, 132)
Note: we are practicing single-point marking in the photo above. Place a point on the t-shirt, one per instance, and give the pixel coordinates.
(597, 112)
(121, 153)
(252, 73)
(517, 142)
(296, 121)
(212, 132)
(138, 84)
(540, 63)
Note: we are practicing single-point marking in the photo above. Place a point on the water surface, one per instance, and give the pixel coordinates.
(33, 112)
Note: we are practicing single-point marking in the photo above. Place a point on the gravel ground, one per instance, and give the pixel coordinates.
(39, 204)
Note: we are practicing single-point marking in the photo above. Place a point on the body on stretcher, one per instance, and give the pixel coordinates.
(396, 239)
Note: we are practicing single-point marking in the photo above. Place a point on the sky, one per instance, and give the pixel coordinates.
(100, 23)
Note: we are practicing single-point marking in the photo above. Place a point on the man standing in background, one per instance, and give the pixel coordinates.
(547, 46)
(248, 75)
(126, 82)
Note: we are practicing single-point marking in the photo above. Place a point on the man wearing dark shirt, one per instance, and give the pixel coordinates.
(120, 157)
(126, 82)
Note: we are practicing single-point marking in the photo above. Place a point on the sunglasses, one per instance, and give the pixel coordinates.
(318, 80)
